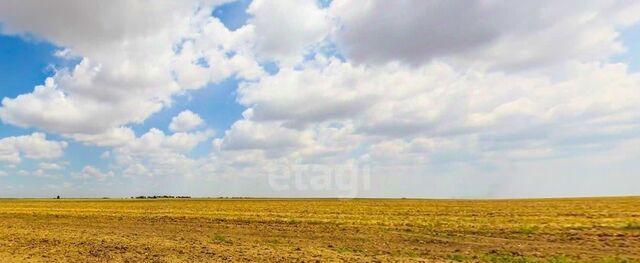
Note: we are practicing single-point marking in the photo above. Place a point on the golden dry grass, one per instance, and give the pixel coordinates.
(213, 230)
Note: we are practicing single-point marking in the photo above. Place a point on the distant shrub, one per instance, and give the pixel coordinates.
(219, 238)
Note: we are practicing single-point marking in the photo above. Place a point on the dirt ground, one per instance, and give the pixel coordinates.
(320, 230)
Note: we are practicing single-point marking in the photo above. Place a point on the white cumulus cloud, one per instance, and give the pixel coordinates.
(495, 34)
(90, 172)
(134, 58)
(185, 121)
(34, 146)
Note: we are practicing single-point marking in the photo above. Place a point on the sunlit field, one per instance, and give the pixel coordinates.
(326, 230)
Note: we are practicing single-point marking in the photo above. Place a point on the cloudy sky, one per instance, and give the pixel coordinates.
(424, 98)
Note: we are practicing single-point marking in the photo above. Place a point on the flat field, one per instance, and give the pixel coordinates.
(320, 230)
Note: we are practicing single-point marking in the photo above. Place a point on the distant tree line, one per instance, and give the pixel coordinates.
(160, 197)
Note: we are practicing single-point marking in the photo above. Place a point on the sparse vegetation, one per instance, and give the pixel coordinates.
(632, 226)
(220, 238)
(526, 230)
(199, 230)
(457, 258)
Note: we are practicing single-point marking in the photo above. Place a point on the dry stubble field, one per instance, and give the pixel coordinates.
(320, 230)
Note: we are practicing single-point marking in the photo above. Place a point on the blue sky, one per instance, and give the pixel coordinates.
(25, 64)
(270, 99)
(631, 57)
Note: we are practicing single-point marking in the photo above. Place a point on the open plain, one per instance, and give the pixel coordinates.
(320, 230)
